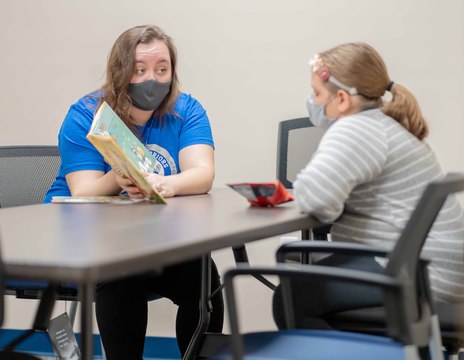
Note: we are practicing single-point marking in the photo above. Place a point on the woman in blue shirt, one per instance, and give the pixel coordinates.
(142, 87)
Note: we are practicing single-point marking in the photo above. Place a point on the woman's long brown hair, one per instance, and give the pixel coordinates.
(121, 66)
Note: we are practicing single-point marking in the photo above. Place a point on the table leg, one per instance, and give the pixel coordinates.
(305, 257)
(205, 310)
(86, 298)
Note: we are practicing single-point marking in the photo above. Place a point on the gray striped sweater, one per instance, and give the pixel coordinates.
(366, 176)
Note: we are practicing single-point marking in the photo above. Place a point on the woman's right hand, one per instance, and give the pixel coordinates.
(133, 191)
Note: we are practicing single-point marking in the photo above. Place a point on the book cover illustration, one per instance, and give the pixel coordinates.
(122, 150)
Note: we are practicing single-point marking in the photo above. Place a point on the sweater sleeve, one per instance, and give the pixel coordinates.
(352, 152)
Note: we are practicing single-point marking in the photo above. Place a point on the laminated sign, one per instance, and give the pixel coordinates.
(63, 339)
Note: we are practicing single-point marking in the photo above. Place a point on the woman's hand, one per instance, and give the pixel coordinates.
(162, 184)
(133, 191)
(196, 163)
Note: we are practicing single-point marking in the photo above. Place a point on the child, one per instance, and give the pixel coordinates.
(366, 177)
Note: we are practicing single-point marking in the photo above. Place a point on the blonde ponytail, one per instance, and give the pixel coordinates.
(359, 65)
(404, 108)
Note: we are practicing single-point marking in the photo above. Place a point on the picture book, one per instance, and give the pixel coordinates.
(122, 150)
(263, 194)
(122, 199)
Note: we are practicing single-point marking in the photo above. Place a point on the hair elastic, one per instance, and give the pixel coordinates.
(389, 86)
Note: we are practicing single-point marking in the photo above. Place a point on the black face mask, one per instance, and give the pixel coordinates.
(148, 95)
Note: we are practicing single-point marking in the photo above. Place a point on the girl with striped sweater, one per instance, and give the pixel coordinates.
(368, 173)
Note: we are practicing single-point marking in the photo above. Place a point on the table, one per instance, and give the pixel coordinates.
(87, 243)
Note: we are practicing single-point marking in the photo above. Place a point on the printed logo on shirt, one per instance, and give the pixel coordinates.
(165, 164)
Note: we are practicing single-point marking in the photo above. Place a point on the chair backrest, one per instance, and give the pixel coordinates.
(26, 173)
(403, 261)
(415, 232)
(296, 142)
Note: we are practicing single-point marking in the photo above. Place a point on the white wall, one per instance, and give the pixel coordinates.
(245, 60)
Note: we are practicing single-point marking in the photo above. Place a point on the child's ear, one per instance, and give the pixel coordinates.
(344, 101)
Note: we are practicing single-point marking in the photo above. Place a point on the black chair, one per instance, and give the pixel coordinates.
(40, 322)
(26, 174)
(373, 320)
(412, 323)
(297, 140)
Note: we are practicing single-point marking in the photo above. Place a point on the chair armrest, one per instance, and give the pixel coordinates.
(315, 271)
(398, 322)
(329, 247)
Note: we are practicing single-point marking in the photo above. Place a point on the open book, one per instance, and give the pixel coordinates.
(122, 150)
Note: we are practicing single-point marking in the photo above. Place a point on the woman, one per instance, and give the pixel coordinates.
(366, 177)
(142, 87)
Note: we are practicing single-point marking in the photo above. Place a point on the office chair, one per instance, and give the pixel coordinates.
(373, 320)
(26, 174)
(297, 140)
(40, 322)
(412, 323)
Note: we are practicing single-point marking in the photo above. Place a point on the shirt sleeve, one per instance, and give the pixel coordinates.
(76, 152)
(196, 128)
(352, 151)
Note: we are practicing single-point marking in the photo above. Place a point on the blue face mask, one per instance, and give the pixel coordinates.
(317, 113)
(148, 95)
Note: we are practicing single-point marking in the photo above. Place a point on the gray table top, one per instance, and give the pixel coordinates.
(93, 242)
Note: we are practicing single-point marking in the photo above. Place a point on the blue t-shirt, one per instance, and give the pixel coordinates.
(190, 125)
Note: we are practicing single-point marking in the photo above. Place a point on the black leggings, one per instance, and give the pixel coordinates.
(314, 298)
(121, 308)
